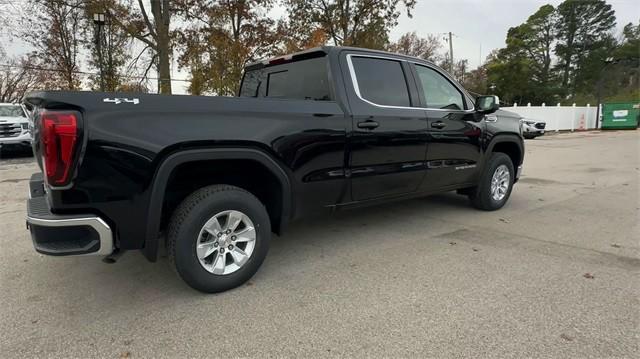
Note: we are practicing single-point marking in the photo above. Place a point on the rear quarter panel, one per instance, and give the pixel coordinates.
(127, 142)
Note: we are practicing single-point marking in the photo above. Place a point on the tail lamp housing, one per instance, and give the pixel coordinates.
(60, 137)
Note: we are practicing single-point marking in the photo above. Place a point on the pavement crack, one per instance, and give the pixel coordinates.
(14, 180)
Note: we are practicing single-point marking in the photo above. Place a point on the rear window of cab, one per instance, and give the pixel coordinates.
(306, 79)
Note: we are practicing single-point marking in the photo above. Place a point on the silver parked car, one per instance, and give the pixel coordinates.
(532, 128)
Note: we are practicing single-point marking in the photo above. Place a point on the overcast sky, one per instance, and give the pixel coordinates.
(479, 26)
(484, 24)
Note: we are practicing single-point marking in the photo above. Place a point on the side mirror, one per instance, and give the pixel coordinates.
(487, 104)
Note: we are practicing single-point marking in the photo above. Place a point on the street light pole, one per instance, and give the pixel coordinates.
(607, 62)
(451, 52)
(99, 21)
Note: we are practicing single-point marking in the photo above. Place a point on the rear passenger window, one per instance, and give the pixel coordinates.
(305, 80)
(381, 81)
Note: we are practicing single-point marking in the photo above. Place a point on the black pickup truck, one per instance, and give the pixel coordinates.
(212, 177)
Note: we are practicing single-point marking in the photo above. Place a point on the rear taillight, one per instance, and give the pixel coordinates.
(59, 138)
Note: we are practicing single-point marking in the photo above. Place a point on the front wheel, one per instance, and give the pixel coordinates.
(218, 238)
(496, 183)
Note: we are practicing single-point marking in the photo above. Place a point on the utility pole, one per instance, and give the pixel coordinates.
(607, 62)
(451, 53)
(99, 21)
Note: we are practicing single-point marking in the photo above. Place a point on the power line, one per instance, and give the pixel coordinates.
(90, 73)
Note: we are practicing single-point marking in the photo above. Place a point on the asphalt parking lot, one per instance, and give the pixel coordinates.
(556, 273)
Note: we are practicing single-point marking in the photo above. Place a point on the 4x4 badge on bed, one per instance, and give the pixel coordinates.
(119, 100)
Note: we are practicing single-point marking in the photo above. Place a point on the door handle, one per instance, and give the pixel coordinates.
(438, 124)
(369, 124)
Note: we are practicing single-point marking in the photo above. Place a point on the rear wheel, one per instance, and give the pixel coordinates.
(218, 237)
(496, 183)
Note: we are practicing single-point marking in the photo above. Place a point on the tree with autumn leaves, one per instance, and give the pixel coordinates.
(221, 38)
(211, 39)
(411, 44)
(362, 23)
(557, 54)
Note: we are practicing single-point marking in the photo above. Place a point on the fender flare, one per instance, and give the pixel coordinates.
(166, 167)
(506, 137)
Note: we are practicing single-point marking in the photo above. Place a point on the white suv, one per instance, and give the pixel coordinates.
(532, 128)
(14, 126)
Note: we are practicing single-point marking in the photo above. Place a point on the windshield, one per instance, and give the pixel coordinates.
(11, 111)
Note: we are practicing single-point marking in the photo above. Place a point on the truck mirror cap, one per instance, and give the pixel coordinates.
(487, 104)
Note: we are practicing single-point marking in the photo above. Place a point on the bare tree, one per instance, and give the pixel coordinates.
(57, 35)
(17, 77)
(150, 25)
(413, 45)
(11, 11)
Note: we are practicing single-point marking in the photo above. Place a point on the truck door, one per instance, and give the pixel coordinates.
(388, 141)
(454, 147)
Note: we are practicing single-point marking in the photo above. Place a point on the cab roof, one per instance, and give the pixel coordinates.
(322, 51)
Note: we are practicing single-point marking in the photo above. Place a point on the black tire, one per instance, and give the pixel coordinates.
(480, 196)
(189, 218)
(529, 137)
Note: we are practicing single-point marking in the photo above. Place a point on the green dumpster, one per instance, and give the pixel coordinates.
(620, 115)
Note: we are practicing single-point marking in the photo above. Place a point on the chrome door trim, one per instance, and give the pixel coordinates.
(356, 87)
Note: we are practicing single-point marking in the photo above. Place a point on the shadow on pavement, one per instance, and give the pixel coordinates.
(15, 154)
(134, 280)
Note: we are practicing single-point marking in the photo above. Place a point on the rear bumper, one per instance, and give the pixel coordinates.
(64, 235)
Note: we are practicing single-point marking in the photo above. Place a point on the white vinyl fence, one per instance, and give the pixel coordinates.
(559, 118)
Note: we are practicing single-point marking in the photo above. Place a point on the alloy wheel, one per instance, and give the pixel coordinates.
(500, 183)
(225, 242)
